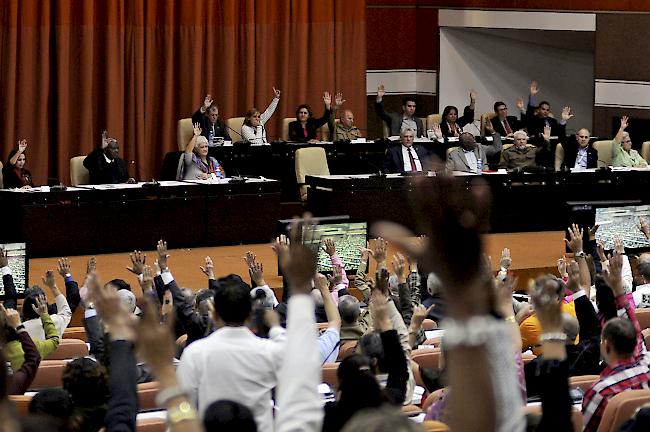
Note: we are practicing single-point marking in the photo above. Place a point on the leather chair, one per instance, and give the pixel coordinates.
(559, 156)
(451, 149)
(604, 152)
(489, 115)
(151, 425)
(576, 415)
(328, 371)
(21, 402)
(427, 357)
(75, 333)
(285, 127)
(323, 133)
(69, 349)
(645, 152)
(435, 426)
(643, 316)
(433, 118)
(147, 396)
(432, 398)
(310, 161)
(583, 382)
(235, 124)
(49, 374)
(411, 410)
(621, 408)
(184, 132)
(346, 350)
(79, 175)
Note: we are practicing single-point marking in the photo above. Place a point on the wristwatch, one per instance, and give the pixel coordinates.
(580, 254)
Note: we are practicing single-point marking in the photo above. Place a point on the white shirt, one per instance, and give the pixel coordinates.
(232, 363)
(407, 160)
(642, 296)
(581, 159)
(470, 156)
(61, 319)
(107, 159)
(257, 134)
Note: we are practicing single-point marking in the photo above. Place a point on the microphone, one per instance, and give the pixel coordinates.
(380, 172)
(238, 178)
(238, 133)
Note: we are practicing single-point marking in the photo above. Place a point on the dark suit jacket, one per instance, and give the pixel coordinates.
(571, 153)
(535, 125)
(468, 117)
(101, 172)
(394, 161)
(220, 129)
(295, 128)
(394, 120)
(514, 123)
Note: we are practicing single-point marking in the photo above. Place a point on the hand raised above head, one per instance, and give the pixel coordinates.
(534, 89)
(138, 260)
(297, 261)
(207, 101)
(381, 91)
(276, 93)
(63, 266)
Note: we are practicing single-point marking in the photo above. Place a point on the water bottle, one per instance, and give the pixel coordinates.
(479, 165)
(210, 138)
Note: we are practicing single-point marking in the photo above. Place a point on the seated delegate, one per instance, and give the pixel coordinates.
(14, 172)
(305, 126)
(195, 163)
(399, 122)
(208, 118)
(406, 157)
(622, 153)
(253, 130)
(451, 125)
(105, 165)
(344, 129)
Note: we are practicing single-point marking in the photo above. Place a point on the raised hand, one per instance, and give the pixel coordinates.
(380, 91)
(298, 262)
(574, 277)
(280, 245)
(592, 232)
(614, 275)
(336, 277)
(575, 236)
(379, 254)
(420, 313)
(624, 122)
(40, 306)
(566, 113)
(250, 259)
(4, 261)
(147, 279)
(561, 267)
(547, 133)
(533, 88)
(437, 131)
(138, 260)
(329, 247)
(208, 270)
(161, 248)
(545, 296)
(619, 247)
(22, 146)
(472, 95)
(600, 249)
(196, 127)
(327, 99)
(381, 282)
(91, 266)
(644, 228)
(503, 295)
(256, 270)
(105, 139)
(338, 100)
(322, 283)
(520, 104)
(506, 260)
(488, 125)
(49, 280)
(207, 101)
(365, 252)
(399, 265)
(12, 317)
(524, 313)
(63, 266)
(379, 311)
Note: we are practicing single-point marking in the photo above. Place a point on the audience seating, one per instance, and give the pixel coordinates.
(310, 161)
(234, 124)
(21, 402)
(559, 156)
(646, 338)
(411, 410)
(329, 374)
(49, 374)
(622, 407)
(643, 316)
(433, 118)
(75, 333)
(527, 358)
(604, 152)
(433, 341)
(323, 133)
(151, 425)
(451, 149)
(181, 341)
(435, 426)
(507, 146)
(69, 349)
(489, 115)
(347, 349)
(429, 324)
(78, 173)
(147, 396)
(576, 415)
(432, 398)
(285, 127)
(583, 382)
(427, 357)
(184, 133)
(645, 152)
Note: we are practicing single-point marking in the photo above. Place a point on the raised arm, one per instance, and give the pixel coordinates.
(71, 286)
(23, 377)
(268, 112)
(189, 148)
(22, 146)
(63, 312)
(621, 130)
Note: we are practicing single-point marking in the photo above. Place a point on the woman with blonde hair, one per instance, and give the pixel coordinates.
(253, 130)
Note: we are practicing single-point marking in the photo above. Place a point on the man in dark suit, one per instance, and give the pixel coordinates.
(208, 117)
(578, 152)
(406, 157)
(397, 122)
(539, 116)
(105, 165)
(504, 124)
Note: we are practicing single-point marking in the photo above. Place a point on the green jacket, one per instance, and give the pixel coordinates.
(14, 349)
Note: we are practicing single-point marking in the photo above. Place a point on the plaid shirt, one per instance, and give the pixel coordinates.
(632, 374)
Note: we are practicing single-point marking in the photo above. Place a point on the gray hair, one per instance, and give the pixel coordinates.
(520, 133)
(199, 140)
(433, 284)
(401, 134)
(625, 135)
(349, 309)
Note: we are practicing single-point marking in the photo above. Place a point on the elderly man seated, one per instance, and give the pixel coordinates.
(354, 322)
(521, 156)
(622, 153)
(345, 128)
(472, 157)
(578, 153)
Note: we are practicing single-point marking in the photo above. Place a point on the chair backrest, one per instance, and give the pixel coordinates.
(328, 371)
(285, 127)
(310, 161)
(432, 398)
(2, 185)
(147, 396)
(604, 152)
(559, 156)
(427, 357)
(429, 324)
(346, 350)
(451, 149)
(69, 349)
(235, 124)
(645, 152)
(643, 316)
(576, 415)
(433, 118)
(621, 407)
(527, 358)
(411, 410)
(583, 382)
(435, 426)
(21, 402)
(486, 115)
(184, 132)
(49, 374)
(323, 133)
(181, 341)
(75, 333)
(79, 175)
(151, 425)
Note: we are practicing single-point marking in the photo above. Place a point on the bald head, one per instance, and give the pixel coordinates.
(347, 119)
(349, 309)
(582, 137)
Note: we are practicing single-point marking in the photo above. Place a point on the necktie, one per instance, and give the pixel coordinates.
(506, 126)
(412, 160)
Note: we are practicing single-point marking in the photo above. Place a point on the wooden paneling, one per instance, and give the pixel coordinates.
(621, 48)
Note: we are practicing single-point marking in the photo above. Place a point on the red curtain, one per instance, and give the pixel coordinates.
(71, 68)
